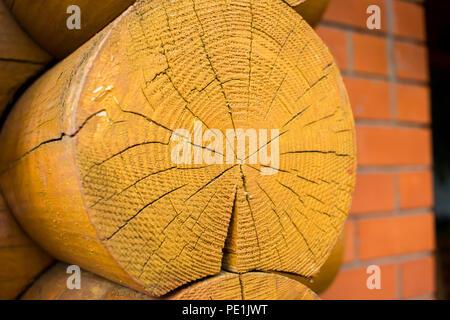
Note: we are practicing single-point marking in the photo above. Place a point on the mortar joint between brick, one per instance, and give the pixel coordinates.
(350, 52)
(389, 16)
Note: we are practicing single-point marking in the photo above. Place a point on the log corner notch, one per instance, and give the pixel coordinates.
(92, 177)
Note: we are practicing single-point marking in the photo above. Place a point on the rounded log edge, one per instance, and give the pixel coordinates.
(53, 285)
(312, 10)
(50, 30)
(321, 281)
(20, 57)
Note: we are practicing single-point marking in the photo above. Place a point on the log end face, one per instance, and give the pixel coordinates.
(168, 221)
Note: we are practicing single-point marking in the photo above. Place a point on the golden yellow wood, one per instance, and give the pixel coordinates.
(46, 21)
(20, 57)
(330, 269)
(52, 285)
(226, 286)
(90, 173)
(20, 259)
(247, 286)
(312, 10)
(322, 280)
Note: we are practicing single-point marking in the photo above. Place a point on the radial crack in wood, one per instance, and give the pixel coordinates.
(91, 173)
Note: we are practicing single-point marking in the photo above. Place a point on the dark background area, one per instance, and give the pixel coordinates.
(438, 34)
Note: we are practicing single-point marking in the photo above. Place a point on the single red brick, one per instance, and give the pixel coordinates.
(418, 277)
(374, 192)
(385, 146)
(413, 103)
(351, 284)
(336, 41)
(411, 61)
(349, 250)
(409, 20)
(369, 98)
(353, 12)
(416, 189)
(381, 237)
(370, 54)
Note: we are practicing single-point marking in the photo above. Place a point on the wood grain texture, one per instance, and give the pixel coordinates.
(20, 57)
(20, 259)
(330, 269)
(52, 285)
(45, 21)
(247, 286)
(90, 173)
(322, 280)
(226, 286)
(312, 10)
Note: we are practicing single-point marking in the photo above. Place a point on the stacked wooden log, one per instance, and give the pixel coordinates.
(21, 259)
(20, 59)
(311, 10)
(90, 172)
(46, 21)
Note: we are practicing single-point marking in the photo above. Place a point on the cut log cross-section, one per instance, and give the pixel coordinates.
(91, 173)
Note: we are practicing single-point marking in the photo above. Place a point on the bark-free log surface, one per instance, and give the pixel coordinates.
(45, 21)
(330, 269)
(246, 286)
(90, 173)
(312, 10)
(322, 280)
(20, 57)
(226, 286)
(20, 259)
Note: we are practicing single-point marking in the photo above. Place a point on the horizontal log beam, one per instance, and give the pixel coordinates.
(46, 21)
(20, 57)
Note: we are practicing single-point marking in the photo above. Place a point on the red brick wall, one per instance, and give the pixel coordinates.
(391, 223)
